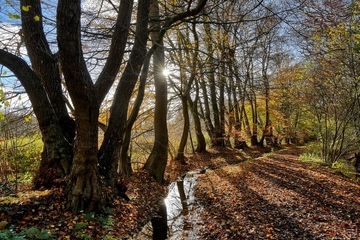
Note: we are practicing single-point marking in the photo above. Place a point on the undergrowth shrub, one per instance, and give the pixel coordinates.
(313, 155)
(30, 233)
(19, 159)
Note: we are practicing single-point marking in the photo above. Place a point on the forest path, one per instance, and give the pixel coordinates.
(277, 197)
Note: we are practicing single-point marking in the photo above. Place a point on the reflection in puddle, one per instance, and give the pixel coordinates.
(182, 213)
(180, 202)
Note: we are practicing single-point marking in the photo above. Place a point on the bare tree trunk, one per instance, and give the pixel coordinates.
(267, 132)
(83, 183)
(205, 110)
(201, 143)
(109, 153)
(216, 129)
(221, 137)
(193, 61)
(157, 160)
(254, 134)
(180, 154)
(46, 66)
(239, 108)
(125, 160)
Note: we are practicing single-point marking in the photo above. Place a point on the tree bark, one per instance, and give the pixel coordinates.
(201, 143)
(125, 160)
(216, 135)
(239, 141)
(46, 65)
(83, 183)
(180, 153)
(157, 160)
(254, 134)
(193, 61)
(109, 153)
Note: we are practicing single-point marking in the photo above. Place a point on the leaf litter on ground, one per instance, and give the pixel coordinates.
(278, 197)
(243, 195)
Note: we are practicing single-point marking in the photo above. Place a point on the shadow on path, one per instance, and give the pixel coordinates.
(278, 197)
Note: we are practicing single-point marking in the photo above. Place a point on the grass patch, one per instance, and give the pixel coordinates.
(311, 157)
(312, 153)
(19, 160)
(345, 167)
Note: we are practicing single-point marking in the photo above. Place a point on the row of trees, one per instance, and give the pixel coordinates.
(71, 141)
(237, 77)
(252, 87)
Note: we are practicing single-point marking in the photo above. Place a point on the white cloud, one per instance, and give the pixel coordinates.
(10, 39)
(98, 6)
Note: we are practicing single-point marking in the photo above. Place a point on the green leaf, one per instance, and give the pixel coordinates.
(5, 234)
(32, 232)
(25, 8)
(80, 225)
(28, 118)
(89, 216)
(13, 16)
(45, 235)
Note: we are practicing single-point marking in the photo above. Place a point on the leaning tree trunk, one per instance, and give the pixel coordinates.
(46, 66)
(59, 152)
(125, 160)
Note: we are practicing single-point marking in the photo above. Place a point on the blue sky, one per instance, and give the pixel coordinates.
(8, 7)
(10, 24)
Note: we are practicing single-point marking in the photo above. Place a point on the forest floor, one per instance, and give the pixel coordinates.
(277, 196)
(247, 194)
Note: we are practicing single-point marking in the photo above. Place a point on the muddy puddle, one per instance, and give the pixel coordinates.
(182, 215)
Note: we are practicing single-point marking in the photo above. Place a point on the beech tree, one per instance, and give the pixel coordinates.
(71, 150)
(184, 57)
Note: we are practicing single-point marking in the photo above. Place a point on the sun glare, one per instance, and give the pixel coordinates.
(166, 72)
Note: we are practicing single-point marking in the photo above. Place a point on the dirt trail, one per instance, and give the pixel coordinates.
(278, 197)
